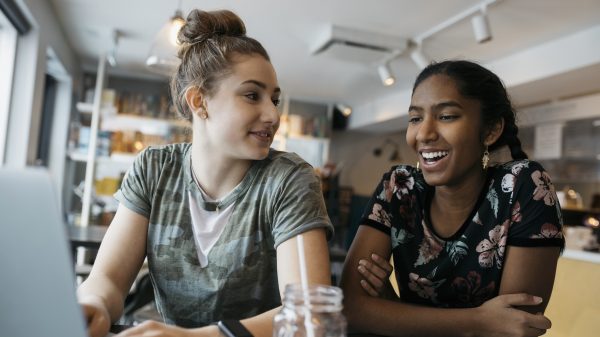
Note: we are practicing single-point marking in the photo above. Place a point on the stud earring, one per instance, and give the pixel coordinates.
(485, 159)
(204, 114)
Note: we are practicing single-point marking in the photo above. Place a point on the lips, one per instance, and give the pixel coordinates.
(263, 135)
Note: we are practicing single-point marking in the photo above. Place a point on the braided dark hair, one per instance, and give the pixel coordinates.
(476, 82)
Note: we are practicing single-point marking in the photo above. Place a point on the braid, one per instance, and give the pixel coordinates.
(513, 142)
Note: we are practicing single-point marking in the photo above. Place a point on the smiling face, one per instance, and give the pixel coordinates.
(242, 113)
(445, 131)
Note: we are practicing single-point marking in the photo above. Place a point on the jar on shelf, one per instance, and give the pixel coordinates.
(316, 314)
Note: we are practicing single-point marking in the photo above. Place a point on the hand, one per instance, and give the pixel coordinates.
(376, 272)
(97, 318)
(155, 329)
(500, 318)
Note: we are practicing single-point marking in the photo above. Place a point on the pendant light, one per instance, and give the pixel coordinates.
(162, 57)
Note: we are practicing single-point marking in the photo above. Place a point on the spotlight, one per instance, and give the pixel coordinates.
(385, 73)
(481, 27)
(344, 109)
(419, 58)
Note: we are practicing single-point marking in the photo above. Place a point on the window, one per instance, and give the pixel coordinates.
(8, 45)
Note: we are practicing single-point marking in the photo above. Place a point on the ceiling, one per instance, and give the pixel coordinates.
(289, 29)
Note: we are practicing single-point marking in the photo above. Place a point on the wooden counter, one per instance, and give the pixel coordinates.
(575, 303)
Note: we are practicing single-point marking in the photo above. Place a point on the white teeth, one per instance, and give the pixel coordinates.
(434, 155)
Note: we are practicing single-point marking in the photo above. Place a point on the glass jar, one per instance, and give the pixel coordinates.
(323, 315)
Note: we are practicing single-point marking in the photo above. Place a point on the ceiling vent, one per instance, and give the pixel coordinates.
(356, 45)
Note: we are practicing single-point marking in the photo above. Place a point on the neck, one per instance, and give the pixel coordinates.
(460, 198)
(217, 174)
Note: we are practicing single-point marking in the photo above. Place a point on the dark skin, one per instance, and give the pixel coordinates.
(443, 121)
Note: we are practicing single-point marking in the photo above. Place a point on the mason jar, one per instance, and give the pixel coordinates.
(320, 317)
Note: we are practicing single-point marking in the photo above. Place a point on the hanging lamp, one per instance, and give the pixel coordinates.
(162, 57)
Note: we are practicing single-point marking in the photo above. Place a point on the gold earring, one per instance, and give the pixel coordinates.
(418, 169)
(204, 114)
(486, 158)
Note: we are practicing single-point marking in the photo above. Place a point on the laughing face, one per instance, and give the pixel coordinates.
(445, 131)
(243, 116)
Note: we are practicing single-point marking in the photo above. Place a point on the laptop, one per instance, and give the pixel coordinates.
(37, 281)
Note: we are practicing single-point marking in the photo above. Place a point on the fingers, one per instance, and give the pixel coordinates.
(382, 263)
(368, 288)
(539, 321)
(520, 299)
(533, 332)
(375, 269)
(97, 321)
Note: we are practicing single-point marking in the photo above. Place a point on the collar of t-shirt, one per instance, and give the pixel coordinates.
(207, 226)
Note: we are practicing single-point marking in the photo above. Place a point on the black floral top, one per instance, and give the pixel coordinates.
(517, 208)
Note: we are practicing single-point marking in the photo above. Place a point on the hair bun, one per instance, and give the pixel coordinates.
(201, 26)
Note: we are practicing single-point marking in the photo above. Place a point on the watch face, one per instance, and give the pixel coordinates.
(233, 328)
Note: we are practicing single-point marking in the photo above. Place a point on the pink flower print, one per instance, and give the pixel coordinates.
(469, 289)
(429, 248)
(544, 188)
(548, 231)
(424, 287)
(492, 250)
(516, 213)
(380, 215)
(403, 182)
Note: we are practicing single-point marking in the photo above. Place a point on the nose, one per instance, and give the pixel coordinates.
(270, 114)
(427, 131)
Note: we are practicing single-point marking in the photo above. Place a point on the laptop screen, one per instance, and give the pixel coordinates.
(37, 292)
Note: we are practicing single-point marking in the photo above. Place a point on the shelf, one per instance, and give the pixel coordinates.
(88, 108)
(115, 158)
(146, 125)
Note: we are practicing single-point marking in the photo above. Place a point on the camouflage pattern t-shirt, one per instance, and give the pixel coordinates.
(279, 198)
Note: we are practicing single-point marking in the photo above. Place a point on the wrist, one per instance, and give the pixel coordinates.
(473, 322)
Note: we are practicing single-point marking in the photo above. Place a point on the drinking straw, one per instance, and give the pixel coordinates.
(304, 282)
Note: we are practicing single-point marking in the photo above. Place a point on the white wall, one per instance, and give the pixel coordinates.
(46, 37)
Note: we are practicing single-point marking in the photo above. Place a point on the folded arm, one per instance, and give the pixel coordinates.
(370, 314)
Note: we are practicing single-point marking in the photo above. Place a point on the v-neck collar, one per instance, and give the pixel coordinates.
(429, 198)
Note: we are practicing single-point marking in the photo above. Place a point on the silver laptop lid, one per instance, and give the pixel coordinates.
(37, 292)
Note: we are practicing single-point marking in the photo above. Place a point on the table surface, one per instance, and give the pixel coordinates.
(89, 237)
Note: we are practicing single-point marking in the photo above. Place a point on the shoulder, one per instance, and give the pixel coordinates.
(155, 160)
(166, 152)
(283, 163)
(519, 169)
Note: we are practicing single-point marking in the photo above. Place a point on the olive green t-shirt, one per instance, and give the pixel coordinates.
(279, 198)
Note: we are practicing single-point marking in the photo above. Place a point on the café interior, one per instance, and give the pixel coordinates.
(84, 88)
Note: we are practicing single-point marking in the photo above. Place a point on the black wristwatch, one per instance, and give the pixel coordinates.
(233, 328)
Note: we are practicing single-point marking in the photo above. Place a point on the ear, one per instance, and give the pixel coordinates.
(494, 133)
(194, 100)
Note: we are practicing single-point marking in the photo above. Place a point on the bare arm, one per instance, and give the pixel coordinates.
(318, 272)
(384, 317)
(118, 261)
(530, 270)
(317, 263)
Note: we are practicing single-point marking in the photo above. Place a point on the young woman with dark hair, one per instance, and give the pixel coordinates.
(474, 246)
